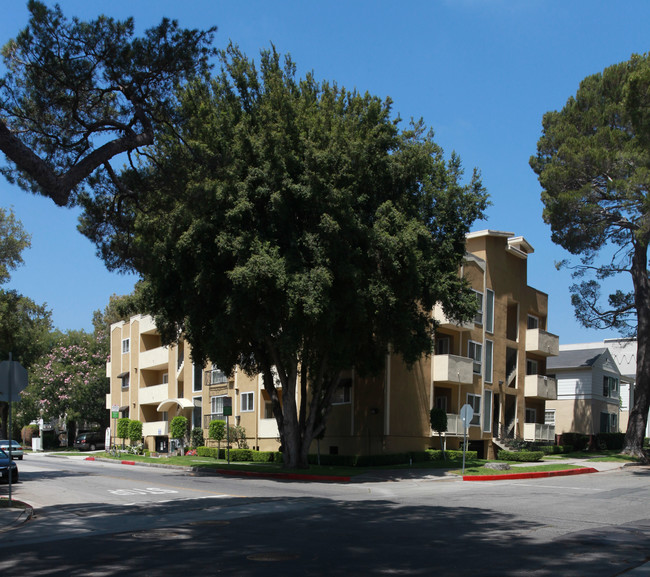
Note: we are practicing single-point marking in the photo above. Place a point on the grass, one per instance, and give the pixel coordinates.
(606, 455)
(532, 469)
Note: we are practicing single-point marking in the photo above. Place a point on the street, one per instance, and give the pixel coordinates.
(98, 518)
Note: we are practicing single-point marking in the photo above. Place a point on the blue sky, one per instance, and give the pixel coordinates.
(481, 73)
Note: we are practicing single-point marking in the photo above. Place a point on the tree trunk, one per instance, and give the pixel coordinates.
(638, 419)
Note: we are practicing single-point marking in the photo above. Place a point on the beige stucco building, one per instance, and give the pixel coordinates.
(496, 364)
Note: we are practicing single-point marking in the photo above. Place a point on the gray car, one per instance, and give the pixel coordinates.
(89, 441)
(16, 449)
(6, 465)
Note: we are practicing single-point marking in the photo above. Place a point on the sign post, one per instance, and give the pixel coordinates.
(227, 411)
(466, 415)
(13, 379)
(115, 414)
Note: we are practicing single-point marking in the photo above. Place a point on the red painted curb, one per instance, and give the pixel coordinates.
(291, 476)
(128, 462)
(536, 475)
(89, 459)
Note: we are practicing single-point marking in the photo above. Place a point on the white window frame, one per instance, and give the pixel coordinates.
(217, 376)
(126, 346)
(197, 403)
(489, 357)
(610, 386)
(474, 400)
(126, 381)
(549, 417)
(477, 352)
(216, 402)
(247, 402)
(489, 311)
(488, 398)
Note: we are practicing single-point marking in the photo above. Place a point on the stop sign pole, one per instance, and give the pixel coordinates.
(12, 376)
(466, 415)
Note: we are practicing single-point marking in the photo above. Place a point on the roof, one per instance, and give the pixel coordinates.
(575, 359)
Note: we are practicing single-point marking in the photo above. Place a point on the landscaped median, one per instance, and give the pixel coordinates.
(536, 472)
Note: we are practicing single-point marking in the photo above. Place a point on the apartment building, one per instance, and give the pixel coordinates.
(496, 364)
(154, 383)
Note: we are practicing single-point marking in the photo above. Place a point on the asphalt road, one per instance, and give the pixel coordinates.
(99, 519)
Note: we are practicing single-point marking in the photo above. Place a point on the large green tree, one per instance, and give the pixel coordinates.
(297, 229)
(77, 94)
(24, 325)
(69, 381)
(593, 162)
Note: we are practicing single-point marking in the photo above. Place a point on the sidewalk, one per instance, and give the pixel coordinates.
(14, 516)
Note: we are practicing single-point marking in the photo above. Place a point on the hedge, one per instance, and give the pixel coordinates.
(612, 441)
(578, 441)
(522, 456)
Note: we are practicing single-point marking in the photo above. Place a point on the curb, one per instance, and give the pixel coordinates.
(536, 475)
(24, 513)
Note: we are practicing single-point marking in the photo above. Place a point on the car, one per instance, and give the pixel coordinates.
(89, 441)
(16, 449)
(6, 465)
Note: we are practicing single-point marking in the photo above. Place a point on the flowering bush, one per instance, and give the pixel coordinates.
(191, 453)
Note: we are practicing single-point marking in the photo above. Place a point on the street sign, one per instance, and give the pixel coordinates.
(227, 406)
(14, 374)
(115, 412)
(466, 414)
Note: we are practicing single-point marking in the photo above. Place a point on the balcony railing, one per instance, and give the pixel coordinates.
(268, 429)
(540, 387)
(539, 432)
(153, 395)
(453, 369)
(446, 323)
(155, 429)
(157, 358)
(207, 419)
(542, 343)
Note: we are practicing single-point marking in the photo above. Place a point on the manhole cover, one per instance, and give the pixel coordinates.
(272, 556)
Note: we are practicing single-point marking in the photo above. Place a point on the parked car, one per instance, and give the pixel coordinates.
(6, 465)
(89, 441)
(16, 449)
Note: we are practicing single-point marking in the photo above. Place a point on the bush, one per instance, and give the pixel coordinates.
(135, 432)
(207, 452)
(178, 428)
(123, 428)
(196, 437)
(521, 456)
(611, 441)
(217, 430)
(578, 441)
(263, 456)
(241, 455)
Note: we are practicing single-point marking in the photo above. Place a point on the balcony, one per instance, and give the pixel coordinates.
(108, 369)
(540, 387)
(453, 369)
(155, 429)
(268, 429)
(445, 323)
(541, 343)
(153, 395)
(157, 358)
(147, 325)
(539, 432)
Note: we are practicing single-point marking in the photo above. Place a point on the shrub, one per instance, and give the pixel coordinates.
(611, 441)
(135, 432)
(217, 431)
(196, 437)
(207, 452)
(521, 456)
(577, 440)
(263, 456)
(237, 435)
(123, 428)
(178, 428)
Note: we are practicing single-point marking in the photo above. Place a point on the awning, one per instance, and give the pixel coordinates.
(169, 403)
(122, 375)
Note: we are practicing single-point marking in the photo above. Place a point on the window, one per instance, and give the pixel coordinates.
(217, 377)
(197, 383)
(126, 381)
(489, 311)
(196, 412)
(549, 417)
(533, 322)
(531, 367)
(126, 346)
(475, 402)
(165, 378)
(608, 423)
(475, 351)
(610, 386)
(478, 317)
(216, 406)
(441, 403)
(487, 403)
(443, 345)
(489, 346)
(531, 416)
(342, 394)
(268, 410)
(247, 402)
